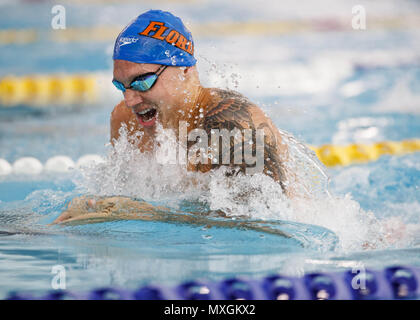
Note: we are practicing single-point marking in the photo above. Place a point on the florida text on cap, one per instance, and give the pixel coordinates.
(156, 37)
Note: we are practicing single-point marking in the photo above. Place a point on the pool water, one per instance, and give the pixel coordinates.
(325, 86)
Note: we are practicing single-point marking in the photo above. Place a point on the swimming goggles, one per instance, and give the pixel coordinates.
(143, 82)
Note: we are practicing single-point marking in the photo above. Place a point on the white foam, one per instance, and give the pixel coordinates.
(352, 89)
(399, 99)
(318, 75)
(89, 160)
(128, 172)
(361, 129)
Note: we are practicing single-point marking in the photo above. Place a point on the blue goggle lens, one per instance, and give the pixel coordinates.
(143, 84)
(118, 85)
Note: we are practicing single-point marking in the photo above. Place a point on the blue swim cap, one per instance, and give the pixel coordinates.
(156, 37)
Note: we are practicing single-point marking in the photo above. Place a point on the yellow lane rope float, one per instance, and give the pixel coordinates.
(330, 155)
(40, 90)
(336, 155)
(109, 33)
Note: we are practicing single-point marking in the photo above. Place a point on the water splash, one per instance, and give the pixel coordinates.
(128, 172)
(311, 175)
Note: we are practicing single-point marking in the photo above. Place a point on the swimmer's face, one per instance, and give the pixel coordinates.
(162, 102)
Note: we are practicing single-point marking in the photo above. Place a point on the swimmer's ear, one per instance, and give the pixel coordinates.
(191, 73)
(188, 69)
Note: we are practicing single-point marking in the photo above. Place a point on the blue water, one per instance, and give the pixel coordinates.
(307, 74)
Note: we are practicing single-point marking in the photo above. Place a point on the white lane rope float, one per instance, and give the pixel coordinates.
(57, 164)
(330, 155)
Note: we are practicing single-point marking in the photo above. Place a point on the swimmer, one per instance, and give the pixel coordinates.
(155, 69)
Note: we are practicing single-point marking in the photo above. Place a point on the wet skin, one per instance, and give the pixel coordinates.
(178, 96)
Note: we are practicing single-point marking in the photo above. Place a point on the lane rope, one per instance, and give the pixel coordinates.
(32, 166)
(344, 155)
(392, 283)
(330, 155)
(43, 90)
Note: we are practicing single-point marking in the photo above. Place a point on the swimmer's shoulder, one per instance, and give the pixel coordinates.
(230, 108)
(227, 109)
(121, 113)
(119, 116)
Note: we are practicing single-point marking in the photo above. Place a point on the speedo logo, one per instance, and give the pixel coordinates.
(172, 36)
(127, 40)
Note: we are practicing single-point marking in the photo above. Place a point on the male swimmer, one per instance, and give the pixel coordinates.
(155, 69)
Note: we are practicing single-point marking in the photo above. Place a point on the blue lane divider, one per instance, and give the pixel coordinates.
(397, 282)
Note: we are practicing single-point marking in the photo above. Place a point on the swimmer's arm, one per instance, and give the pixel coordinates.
(86, 210)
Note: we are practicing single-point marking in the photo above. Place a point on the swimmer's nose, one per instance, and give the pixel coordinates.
(132, 98)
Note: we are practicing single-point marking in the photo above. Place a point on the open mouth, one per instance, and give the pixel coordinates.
(147, 117)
